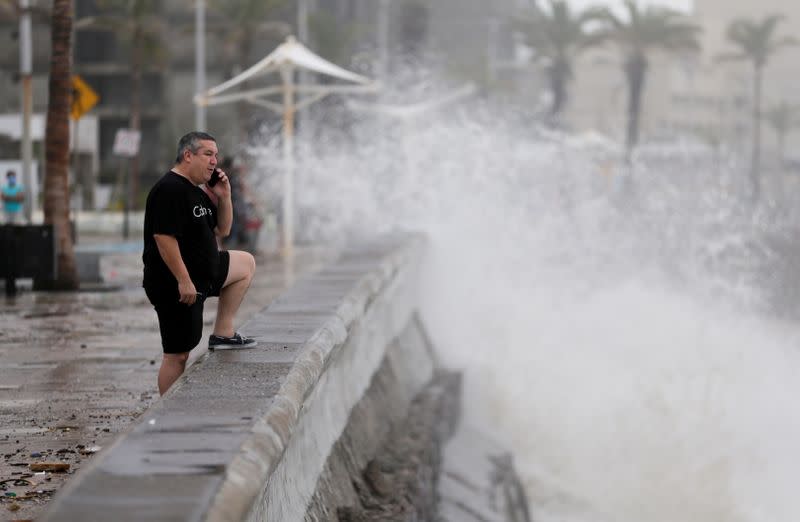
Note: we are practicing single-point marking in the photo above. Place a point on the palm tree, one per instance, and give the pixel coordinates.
(558, 36)
(138, 23)
(782, 118)
(756, 42)
(641, 32)
(56, 185)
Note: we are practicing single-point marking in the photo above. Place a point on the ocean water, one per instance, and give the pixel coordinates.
(625, 329)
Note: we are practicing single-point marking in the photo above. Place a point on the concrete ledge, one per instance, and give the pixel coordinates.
(246, 434)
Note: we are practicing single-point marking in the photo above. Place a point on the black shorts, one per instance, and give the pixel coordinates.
(181, 325)
(224, 266)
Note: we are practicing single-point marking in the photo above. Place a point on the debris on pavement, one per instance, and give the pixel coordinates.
(50, 466)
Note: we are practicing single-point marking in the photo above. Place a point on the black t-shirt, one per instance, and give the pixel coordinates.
(176, 207)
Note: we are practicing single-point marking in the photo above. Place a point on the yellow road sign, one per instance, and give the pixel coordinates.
(83, 97)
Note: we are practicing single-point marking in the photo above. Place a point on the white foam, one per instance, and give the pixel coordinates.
(617, 342)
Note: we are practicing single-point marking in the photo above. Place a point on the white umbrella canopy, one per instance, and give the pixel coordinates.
(285, 59)
(289, 55)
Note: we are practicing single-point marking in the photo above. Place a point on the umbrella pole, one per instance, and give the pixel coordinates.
(288, 159)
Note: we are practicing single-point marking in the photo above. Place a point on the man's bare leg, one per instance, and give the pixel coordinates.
(172, 367)
(240, 273)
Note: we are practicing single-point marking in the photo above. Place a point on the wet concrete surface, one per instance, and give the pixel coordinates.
(77, 369)
(244, 433)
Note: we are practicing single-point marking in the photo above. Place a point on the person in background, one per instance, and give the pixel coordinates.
(239, 208)
(13, 199)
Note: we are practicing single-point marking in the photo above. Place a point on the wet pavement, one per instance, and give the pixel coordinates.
(76, 369)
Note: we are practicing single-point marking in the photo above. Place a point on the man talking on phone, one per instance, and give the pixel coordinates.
(182, 261)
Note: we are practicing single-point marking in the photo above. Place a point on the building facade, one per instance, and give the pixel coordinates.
(715, 98)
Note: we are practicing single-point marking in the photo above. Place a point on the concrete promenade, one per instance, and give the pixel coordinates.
(246, 435)
(77, 369)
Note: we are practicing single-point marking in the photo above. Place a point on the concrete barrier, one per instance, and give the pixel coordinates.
(340, 413)
(245, 435)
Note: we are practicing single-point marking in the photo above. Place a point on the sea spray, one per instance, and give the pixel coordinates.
(615, 323)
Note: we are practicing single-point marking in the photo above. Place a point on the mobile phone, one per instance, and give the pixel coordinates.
(214, 178)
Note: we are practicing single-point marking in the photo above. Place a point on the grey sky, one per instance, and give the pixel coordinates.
(683, 5)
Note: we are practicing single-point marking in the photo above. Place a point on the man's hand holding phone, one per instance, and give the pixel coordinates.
(219, 184)
(215, 177)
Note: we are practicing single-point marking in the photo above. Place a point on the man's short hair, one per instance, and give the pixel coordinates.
(11, 173)
(191, 142)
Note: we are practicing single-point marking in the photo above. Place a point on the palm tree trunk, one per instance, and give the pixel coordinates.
(755, 164)
(780, 174)
(56, 183)
(136, 113)
(635, 71)
(558, 86)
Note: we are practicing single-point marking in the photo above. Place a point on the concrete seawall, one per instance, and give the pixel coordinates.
(304, 425)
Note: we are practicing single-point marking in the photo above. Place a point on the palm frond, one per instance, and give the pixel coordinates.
(770, 23)
(606, 17)
(652, 27)
(557, 32)
(756, 39)
(786, 41)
